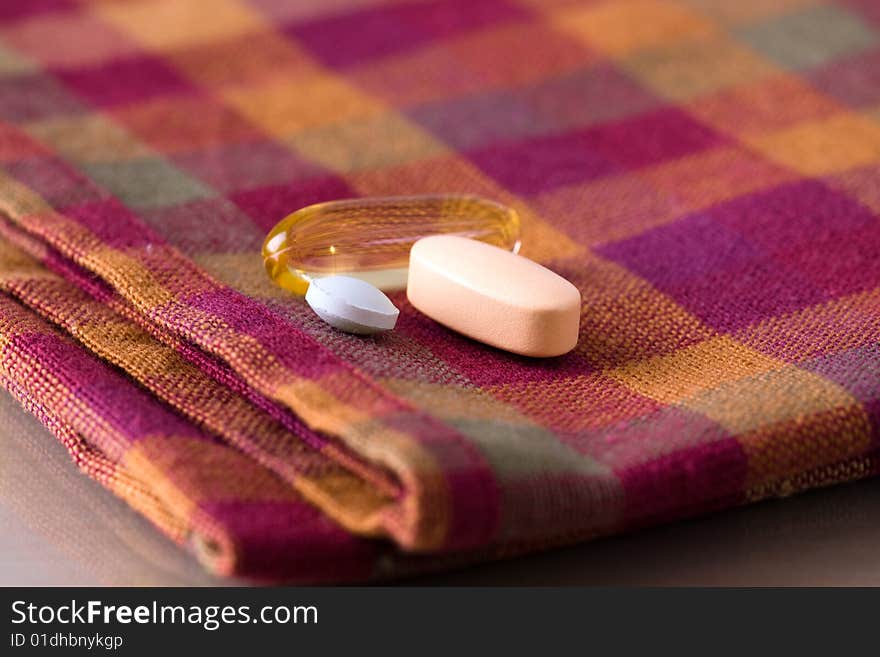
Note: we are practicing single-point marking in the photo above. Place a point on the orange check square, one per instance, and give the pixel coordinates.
(243, 60)
(822, 147)
(169, 24)
(619, 28)
(285, 106)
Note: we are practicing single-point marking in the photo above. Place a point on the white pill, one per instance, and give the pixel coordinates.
(351, 305)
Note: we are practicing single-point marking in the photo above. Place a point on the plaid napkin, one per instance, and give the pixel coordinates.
(707, 173)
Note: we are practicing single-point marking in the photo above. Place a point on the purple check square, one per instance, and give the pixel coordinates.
(269, 205)
(587, 97)
(16, 9)
(34, 97)
(477, 120)
(853, 81)
(113, 223)
(655, 491)
(729, 299)
(537, 165)
(359, 36)
(856, 369)
(646, 139)
(124, 81)
(841, 264)
(715, 272)
(785, 216)
(868, 10)
(686, 249)
(352, 38)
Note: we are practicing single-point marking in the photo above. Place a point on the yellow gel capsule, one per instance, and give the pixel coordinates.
(370, 238)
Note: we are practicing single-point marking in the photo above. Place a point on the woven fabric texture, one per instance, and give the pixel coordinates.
(706, 172)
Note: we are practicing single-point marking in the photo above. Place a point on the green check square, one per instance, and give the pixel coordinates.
(810, 38)
(147, 182)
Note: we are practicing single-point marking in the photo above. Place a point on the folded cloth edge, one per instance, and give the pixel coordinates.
(329, 395)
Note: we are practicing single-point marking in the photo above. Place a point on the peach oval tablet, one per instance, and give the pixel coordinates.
(493, 296)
